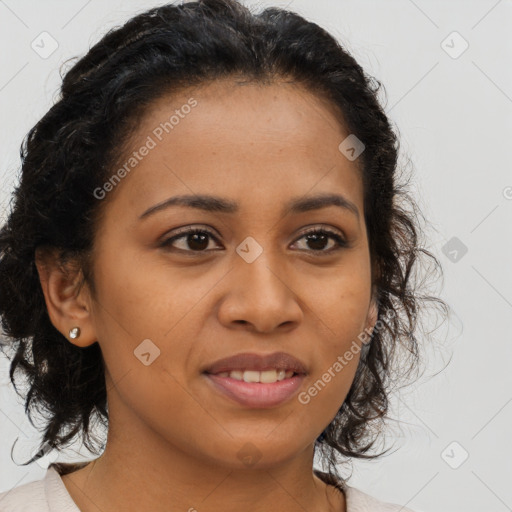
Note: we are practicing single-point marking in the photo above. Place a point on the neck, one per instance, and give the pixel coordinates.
(140, 470)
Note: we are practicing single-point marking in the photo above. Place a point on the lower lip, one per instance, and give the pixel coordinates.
(255, 394)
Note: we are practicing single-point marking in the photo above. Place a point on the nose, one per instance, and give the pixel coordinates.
(260, 297)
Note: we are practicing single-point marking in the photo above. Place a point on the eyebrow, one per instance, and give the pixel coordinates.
(218, 204)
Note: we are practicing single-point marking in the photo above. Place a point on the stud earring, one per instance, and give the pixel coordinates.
(74, 333)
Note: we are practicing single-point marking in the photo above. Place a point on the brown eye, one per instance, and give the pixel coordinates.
(318, 239)
(194, 240)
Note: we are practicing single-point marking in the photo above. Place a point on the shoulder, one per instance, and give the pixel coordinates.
(25, 498)
(46, 495)
(356, 500)
(359, 501)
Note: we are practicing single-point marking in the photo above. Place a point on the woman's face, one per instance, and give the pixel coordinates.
(251, 281)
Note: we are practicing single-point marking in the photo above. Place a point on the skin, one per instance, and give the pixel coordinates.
(172, 438)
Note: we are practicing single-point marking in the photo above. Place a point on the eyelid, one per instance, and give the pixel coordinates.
(207, 228)
(191, 227)
(323, 227)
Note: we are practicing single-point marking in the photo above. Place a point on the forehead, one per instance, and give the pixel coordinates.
(244, 139)
(240, 112)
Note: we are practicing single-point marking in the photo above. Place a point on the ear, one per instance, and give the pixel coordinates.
(68, 304)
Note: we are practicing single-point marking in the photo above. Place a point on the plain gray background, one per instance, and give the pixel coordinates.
(453, 107)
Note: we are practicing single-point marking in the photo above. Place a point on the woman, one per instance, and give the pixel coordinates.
(207, 249)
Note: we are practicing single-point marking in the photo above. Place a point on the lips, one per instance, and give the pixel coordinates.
(251, 361)
(255, 395)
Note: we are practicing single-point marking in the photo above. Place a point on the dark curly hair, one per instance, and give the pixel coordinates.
(67, 155)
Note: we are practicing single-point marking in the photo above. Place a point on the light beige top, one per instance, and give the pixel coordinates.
(51, 495)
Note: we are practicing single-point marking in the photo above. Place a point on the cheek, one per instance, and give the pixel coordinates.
(339, 319)
(137, 302)
(339, 301)
(337, 361)
(133, 297)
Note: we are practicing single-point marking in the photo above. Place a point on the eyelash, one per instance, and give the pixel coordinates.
(342, 243)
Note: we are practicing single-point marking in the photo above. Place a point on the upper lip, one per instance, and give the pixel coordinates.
(250, 361)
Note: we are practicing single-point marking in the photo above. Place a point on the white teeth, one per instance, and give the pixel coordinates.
(266, 377)
(250, 376)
